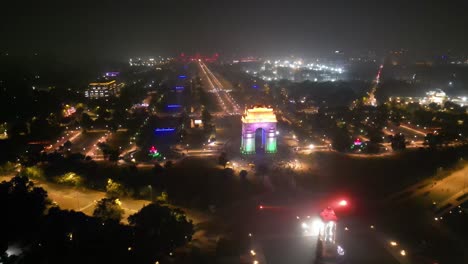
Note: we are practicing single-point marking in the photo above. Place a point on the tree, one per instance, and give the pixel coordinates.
(159, 230)
(23, 206)
(109, 210)
(206, 117)
(163, 198)
(73, 237)
(59, 236)
(114, 155)
(398, 142)
(70, 178)
(184, 119)
(33, 172)
(375, 135)
(243, 175)
(341, 140)
(7, 168)
(67, 144)
(433, 140)
(222, 159)
(169, 164)
(115, 189)
(109, 153)
(86, 121)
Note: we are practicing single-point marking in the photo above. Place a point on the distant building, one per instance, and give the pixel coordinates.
(148, 62)
(460, 100)
(102, 90)
(438, 96)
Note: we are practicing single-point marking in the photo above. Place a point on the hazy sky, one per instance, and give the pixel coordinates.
(142, 27)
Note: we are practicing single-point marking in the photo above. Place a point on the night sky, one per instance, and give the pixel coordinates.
(310, 27)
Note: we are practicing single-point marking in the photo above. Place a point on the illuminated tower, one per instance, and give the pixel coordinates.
(256, 118)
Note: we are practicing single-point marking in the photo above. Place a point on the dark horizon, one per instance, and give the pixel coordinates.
(310, 28)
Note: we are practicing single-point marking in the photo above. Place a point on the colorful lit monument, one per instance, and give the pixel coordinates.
(258, 118)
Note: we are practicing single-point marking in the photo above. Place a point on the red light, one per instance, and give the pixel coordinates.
(343, 203)
(260, 207)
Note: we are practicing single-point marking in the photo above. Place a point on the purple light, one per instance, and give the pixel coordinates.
(112, 74)
(179, 87)
(173, 106)
(159, 130)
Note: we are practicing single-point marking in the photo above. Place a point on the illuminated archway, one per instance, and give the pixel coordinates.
(253, 119)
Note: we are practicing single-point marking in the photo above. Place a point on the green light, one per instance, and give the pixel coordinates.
(249, 146)
(155, 155)
(271, 145)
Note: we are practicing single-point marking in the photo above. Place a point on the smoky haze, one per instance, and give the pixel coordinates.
(125, 28)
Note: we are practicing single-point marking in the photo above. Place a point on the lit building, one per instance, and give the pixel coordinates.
(263, 119)
(148, 62)
(99, 90)
(438, 96)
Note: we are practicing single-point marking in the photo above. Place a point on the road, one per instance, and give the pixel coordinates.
(414, 137)
(225, 100)
(68, 135)
(277, 238)
(93, 150)
(445, 194)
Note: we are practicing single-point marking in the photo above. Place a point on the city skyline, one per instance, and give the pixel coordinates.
(264, 132)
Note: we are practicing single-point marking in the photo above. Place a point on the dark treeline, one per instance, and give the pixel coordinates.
(39, 232)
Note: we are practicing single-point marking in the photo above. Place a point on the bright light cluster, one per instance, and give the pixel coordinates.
(315, 227)
(287, 69)
(148, 62)
(259, 115)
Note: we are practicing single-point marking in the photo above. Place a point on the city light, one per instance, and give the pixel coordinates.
(340, 251)
(313, 228)
(343, 203)
(289, 69)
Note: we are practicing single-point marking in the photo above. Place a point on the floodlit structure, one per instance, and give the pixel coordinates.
(259, 118)
(98, 90)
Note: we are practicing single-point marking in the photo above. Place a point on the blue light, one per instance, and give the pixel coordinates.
(164, 130)
(255, 86)
(173, 106)
(182, 76)
(179, 87)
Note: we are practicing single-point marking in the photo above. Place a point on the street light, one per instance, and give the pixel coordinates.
(151, 192)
